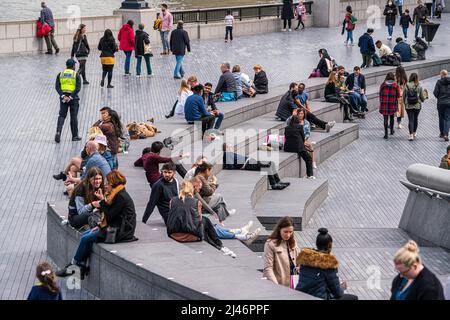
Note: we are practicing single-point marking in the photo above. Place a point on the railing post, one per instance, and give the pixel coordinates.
(206, 17)
(259, 13)
(240, 14)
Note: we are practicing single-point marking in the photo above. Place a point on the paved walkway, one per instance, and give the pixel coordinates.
(29, 110)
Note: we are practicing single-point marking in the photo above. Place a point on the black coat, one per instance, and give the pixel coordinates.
(286, 106)
(350, 81)
(261, 82)
(140, 38)
(442, 91)
(227, 83)
(184, 218)
(121, 214)
(179, 42)
(287, 12)
(295, 138)
(80, 48)
(323, 67)
(426, 286)
(390, 12)
(107, 47)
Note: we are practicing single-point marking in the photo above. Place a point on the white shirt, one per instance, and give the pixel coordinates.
(229, 20)
(179, 109)
(245, 80)
(385, 50)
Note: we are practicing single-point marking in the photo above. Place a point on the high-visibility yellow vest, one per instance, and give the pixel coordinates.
(68, 80)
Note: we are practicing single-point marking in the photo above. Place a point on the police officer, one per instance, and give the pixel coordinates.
(68, 85)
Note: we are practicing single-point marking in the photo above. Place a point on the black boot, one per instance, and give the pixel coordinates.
(60, 176)
(278, 186)
(385, 133)
(64, 272)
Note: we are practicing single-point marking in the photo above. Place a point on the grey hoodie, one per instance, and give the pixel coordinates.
(442, 91)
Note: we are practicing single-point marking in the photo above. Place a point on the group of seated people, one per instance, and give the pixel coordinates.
(405, 51)
(197, 102)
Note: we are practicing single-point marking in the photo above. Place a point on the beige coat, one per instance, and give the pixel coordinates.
(401, 105)
(276, 262)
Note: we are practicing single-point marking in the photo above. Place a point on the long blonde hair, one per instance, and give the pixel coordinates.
(184, 87)
(408, 254)
(332, 77)
(79, 35)
(187, 189)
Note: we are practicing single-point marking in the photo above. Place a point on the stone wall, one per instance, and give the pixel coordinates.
(20, 36)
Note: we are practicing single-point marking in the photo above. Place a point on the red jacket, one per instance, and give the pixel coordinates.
(389, 96)
(126, 38)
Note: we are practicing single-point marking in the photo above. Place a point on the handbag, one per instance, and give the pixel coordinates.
(227, 96)
(111, 233)
(148, 49)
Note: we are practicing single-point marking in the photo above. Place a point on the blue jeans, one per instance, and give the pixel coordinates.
(223, 233)
(350, 36)
(390, 29)
(433, 8)
(88, 238)
(358, 101)
(179, 71)
(405, 32)
(416, 34)
(127, 61)
(147, 63)
(165, 39)
(444, 119)
(219, 120)
(229, 30)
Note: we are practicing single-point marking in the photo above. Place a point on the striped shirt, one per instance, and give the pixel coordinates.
(229, 20)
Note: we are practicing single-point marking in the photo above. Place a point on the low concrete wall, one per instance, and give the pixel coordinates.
(20, 36)
(426, 216)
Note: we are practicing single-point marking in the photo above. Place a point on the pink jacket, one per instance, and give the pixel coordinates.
(126, 38)
(300, 11)
(167, 21)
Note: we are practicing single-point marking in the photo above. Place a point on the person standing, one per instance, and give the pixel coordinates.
(413, 96)
(419, 16)
(166, 26)
(349, 25)
(280, 251)
(442, 94)
(399, 4)
(68, 85)
(126, 40)
(414, 280)
(81, 50)
(47, 17)
(300, 14)
(108, 48)
(142, 50)
(287, 14)
(179, 42)
(229, 21)
(389, 96)
(401, 79)
(405, 21)
(367, 47)
(47, 289)
(390, 11)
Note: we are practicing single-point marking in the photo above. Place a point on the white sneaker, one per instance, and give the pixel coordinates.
(311, 177)
(415, 135)
(290, 30)
(283, 30)
(399, 126)
(232, 211)
(228, 252)
(411, 137)
(246, 229)
(138, 76)
(314, 165)
(252, 236)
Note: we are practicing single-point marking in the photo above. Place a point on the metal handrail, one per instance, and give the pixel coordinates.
(206, 15)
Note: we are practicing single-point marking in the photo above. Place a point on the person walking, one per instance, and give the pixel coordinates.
(47, 289)
(68, 85)
(287, 14)
(401, 79)
(442, 94)
(413, 96)
(166, 26)
(108, 48)
(389, 96)
(419, 16)
(349, 25)
(405, 21)
(367, 47)
(390, 11)
(229, 21)
(81, 50)
(399, 4)
(414, 280)
(126, 40)
(300, 15)
(142, 50)
(280, 251)
(179, 42)
(47, 17)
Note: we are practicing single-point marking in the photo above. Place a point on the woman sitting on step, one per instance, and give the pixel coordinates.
(332, 94)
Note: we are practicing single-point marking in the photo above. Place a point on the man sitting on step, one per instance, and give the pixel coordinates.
(235, 161)
(291, 101)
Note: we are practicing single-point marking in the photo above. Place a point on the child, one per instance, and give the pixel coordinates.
(229, 21)
(349, 24)
(405, 20)
(300, 14)
(47, 288)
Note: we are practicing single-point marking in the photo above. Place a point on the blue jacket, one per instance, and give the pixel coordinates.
(350, 81)
(194, 108)
(318, 274)
(96, 160)
(47, 16)
(404, 50)
(365, 44)
(109, 158)
(40, 292)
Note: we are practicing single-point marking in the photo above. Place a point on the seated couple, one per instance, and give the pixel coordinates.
(116, 215)
(294, 98)
(353, 87)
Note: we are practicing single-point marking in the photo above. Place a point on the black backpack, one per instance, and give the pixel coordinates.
(412, 96)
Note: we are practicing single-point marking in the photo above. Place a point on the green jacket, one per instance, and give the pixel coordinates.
(420, 92)
(444, 163)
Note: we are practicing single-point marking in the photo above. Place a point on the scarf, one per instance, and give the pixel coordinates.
(109, 198)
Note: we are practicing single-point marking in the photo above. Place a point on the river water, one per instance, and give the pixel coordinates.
(11, 10)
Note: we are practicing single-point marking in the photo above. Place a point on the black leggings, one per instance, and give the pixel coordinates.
(343, 102)
(287, 22)
(300, 22)
(79, 220)
(390, 119)
(308, 161)
(107, 70)
(413, 117)
(313, 119)
(82, 69)
(255, 165)
(210, 235)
